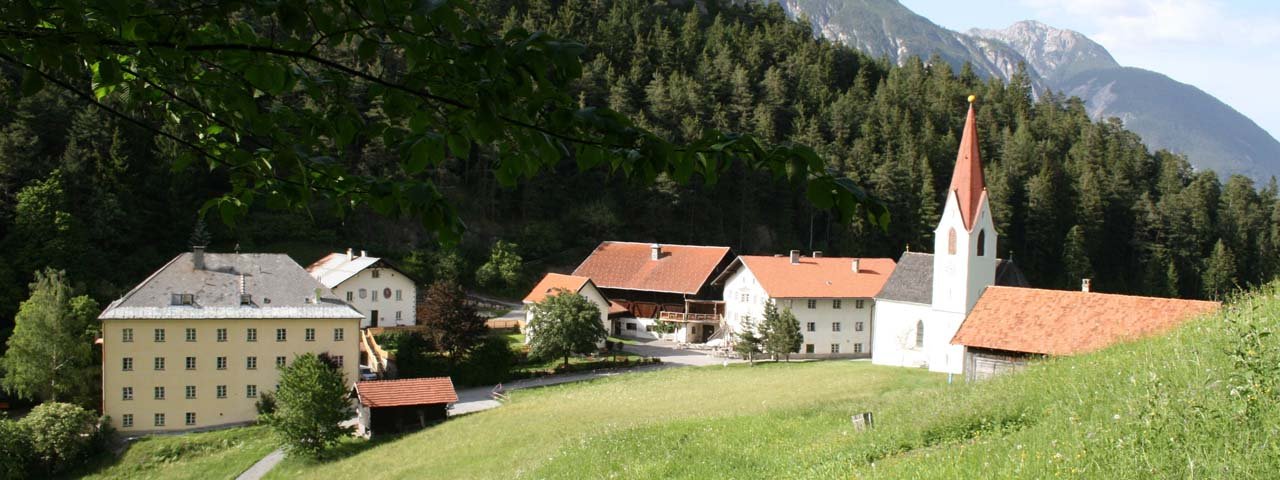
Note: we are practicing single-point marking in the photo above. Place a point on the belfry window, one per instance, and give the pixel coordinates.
(919, 333)
(982, 243)
(951, 242)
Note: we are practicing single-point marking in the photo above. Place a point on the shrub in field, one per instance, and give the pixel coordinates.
(61, 435)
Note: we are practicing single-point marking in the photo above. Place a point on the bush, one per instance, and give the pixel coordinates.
(488, 363)
(15, 450)
(266, 404)
(62, 435)
(416, 358)
(312, 403)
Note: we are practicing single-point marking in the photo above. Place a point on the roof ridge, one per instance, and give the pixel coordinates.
(1107, 294)
(662, 244)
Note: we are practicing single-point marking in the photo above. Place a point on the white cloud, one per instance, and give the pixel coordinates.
(1137, 22)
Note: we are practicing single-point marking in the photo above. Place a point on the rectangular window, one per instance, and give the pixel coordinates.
(126, 364)
(126, 420)
(222, 363)
(835, 326)
(351, 296)
(222, 334)
(191, 392)
(808, 348)
(282, 334)
(158, 393)
(191, 363)
(857, 326)
(280, 361)
(251, 363)
(159, 335)
(857, 348)
(648, 328)
(835, 348)
(126, 335)
(251, 391)
(158, 363)
(182, 299)
(126, 393)
(310, 334)
(835, 304)
(811, 327)
(398, 297)
(813, 303)
(631, 326)
(251, 335)
(159, 419)
(398, 315)
(377, 273)
(191, 334)
(373, 295)
(746, 298)
(338, 335)
(859, 303)
(221, 390)
(191, 418)
(337, 360)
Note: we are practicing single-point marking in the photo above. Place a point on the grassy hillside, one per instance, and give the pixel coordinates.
(219, 454)
(1201, 402)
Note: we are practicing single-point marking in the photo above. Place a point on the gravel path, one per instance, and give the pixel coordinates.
(260, 469)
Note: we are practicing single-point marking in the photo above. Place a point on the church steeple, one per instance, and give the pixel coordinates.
(967, 181)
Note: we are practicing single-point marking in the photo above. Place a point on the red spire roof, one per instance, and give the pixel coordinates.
(967, 179)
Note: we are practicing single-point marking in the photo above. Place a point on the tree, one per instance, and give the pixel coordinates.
(502, 271)
(748, 343)
(311, 403)
(565, 324)
(1219, 271)
(15, 450)
(50, 355)
(780, 332)
(62, 435)
(1075, 257)
(452, 323)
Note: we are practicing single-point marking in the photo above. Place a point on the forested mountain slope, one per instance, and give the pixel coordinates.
(1072, 198)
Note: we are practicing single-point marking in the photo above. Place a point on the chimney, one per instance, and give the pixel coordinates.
(364, 253)
(1084, 285)
(855, 265)
(349, 255)
(655, 251)
(817, 254)
(197, 257)
(795, 257)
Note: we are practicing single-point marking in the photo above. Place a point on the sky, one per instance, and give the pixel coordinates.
(1229, 49)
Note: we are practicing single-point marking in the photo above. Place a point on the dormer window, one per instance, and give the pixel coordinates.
(182, 299)
(246, 299)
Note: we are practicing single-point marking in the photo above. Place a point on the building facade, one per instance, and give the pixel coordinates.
(555, 284)
(376, 288)
(197, 343)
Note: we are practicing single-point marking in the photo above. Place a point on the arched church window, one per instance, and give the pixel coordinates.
(951, 242)
(919, 333)
(982, 243)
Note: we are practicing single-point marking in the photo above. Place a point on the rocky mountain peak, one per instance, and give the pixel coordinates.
(1054, 53)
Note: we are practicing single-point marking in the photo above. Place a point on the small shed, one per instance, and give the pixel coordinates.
(390, 406)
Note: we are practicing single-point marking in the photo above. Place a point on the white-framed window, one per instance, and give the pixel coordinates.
(859, 303)
(251, 363)
(338, 334)
(857, 326)
(158, 393)
(309, 334)
(222, 363)
(182, 299)
(191, 418)
(398, 296)
(835, 326)
(191, 363)
(746, 298)
(811, 327)
(338, 360)
(857, 348)
(158, 363)
(648, 328)
(126, 335)
(398, 317)
(812, 303)
(251, 335)
(159, 419)
(377, 273)
(631, 326)
(126, 393)
(835, 348)
(374, 296)
(159, 335)
(835, 304)
(280, 361)
(222, 334)
(251, 391)
(282, 334)
(351, 296)
(191, 392)
(126, 420)
(191, 334)
(126, 364)
(221, 390)
(808, 348)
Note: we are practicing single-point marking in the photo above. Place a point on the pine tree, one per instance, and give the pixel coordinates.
(747, 343)
(780, 332)
(1075, 257)
(311, 404)
(1219, 272)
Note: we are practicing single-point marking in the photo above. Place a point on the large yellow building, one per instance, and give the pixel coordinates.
(196, 343)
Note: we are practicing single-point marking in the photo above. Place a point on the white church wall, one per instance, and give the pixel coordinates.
(894, 333)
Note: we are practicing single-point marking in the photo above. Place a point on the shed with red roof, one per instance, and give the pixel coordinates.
(388, 406)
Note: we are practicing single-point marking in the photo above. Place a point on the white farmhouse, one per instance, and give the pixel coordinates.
(384, 294)
(832, 297)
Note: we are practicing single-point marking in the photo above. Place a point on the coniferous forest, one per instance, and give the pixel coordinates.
(99, 198)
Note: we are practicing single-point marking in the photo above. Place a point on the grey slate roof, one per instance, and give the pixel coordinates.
(912, 280)
(279, 287)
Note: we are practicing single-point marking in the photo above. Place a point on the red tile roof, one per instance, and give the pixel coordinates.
(555, 281)
(616, 308)
(822, 277)
(409, 391)
(628, 266)
(967, 181)
(1061, 322)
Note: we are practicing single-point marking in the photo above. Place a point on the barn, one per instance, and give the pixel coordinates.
(391, 406)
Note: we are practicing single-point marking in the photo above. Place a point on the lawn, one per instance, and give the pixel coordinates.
(217, 454)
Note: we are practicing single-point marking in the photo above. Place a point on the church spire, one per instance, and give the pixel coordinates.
(967, 181)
